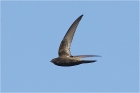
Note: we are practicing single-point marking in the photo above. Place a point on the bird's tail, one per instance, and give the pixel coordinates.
(88, 61)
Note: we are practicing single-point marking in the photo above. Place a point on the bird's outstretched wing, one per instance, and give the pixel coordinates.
(84, 56)
(64, 48)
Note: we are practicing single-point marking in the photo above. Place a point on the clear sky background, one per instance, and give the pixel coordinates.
(31, 34)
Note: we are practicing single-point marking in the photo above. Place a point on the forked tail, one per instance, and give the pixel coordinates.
(88, 61)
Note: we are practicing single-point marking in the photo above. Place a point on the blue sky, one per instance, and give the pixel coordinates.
(31, 32)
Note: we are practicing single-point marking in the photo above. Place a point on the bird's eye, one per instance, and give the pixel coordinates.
(53, 59)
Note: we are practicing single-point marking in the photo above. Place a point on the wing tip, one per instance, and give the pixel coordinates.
(81, 15)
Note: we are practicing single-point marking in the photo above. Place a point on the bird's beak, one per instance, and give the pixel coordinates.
(51, 61)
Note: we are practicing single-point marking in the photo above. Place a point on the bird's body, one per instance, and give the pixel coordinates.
(65, 58)
(66, 61)
(70, 61)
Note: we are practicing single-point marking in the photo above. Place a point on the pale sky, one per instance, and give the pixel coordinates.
(31, 32)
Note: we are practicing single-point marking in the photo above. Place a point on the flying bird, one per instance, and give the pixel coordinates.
(65, 58)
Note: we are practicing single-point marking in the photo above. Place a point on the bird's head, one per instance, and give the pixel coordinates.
(53, 60)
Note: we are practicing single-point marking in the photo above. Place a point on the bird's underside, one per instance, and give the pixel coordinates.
(65, 64)
(65, 58)
(73, 60)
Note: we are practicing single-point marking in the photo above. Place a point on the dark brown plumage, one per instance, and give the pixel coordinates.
(65, 58)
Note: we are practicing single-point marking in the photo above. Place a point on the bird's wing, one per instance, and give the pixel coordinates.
(84, 56)
(64, 48)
